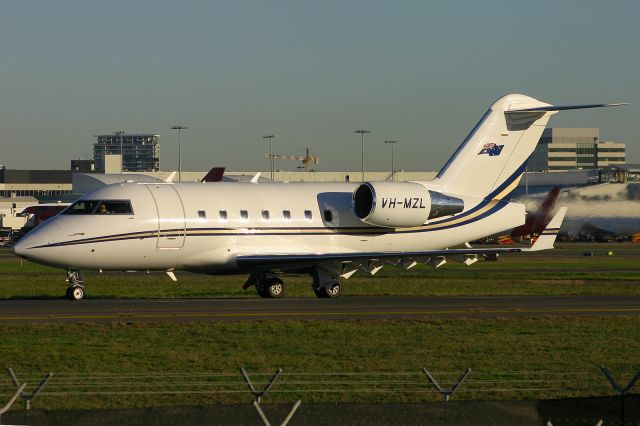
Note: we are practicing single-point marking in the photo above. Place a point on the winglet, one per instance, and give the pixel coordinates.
(169, 178)
(548, 237)
(255, 178)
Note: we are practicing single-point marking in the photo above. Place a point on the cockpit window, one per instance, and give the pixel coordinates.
(82, 207)
(115, 207)
(100, 207)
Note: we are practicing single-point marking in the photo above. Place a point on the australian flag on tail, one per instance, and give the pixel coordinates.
(492, 149)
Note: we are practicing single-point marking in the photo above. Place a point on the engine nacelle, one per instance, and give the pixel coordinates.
(401, 204)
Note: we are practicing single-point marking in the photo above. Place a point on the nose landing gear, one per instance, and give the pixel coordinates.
(75, 291)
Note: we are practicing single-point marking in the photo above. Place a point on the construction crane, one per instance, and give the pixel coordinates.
(307, 160)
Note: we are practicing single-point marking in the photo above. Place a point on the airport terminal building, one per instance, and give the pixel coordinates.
(42, 184)
(573, 149)
(577, 152)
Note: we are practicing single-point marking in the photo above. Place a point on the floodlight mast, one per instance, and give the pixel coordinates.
(392, 143)
(271, 162)
(362, 132)
(179, 128)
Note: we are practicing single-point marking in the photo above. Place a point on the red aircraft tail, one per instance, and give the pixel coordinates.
(536, 222)
(214, 175)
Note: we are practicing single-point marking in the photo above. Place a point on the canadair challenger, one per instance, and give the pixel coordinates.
(326, 230)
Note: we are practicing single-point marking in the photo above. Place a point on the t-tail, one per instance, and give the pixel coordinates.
(493, 157)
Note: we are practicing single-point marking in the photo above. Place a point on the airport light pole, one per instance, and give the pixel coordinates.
(120, 133)
(270, 138)
(392, 143)
(362, 132)
(179, 128)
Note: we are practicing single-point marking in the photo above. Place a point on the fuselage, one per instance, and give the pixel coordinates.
(202, 227)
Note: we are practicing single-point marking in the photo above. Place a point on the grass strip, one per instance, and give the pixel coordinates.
(564, 271)
(122, 365)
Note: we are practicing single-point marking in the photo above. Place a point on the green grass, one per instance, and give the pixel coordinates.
(95, 363)
(92, 362)
(563, 271)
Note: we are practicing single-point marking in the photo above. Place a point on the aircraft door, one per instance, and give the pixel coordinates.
(171, 217)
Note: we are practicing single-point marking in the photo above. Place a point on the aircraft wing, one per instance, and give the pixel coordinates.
(297, 261)
(345, 264)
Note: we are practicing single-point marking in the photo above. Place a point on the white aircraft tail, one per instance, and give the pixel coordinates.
(492, 158)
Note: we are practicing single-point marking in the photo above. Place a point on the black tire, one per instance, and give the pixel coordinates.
(274, 288)
(331, 292)
(75, 293)
(318, 291)
(261, 289)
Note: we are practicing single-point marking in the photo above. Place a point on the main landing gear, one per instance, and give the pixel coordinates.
(324, 285)
(75, 291)
(269, 286)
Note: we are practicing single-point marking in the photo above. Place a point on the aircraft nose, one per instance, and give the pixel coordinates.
(28, 246)
(19, 248)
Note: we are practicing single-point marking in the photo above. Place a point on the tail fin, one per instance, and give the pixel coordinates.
(214, 175)
(492, 158)
(538, 220)
(548, 236)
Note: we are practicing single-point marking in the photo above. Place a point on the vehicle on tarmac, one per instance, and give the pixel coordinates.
(36, 215)
(6, 237)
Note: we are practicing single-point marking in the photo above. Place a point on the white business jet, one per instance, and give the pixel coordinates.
(328, 230)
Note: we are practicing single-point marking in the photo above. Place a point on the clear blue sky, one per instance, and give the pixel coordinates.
(308, 71)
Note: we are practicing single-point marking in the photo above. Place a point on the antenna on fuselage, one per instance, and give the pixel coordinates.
(169, 179)
(255, 178)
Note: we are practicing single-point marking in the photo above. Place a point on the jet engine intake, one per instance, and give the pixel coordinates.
(401, 204)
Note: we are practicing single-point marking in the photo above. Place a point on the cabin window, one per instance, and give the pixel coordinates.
(328, 216)
(223, 215)
(244, 215)
(308, 216)
(202, 216)
(286, 215)
(265, 215)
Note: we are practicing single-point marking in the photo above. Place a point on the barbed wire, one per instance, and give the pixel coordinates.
(306, 382)
(307, 373)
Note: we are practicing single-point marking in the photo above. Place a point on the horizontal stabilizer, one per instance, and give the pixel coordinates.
(548, 236)
(562, 108)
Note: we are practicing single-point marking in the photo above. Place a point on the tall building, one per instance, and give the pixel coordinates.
(140, 151)
(574, 148)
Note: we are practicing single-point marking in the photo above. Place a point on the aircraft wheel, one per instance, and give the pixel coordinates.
(275, 288)
(330, 292)
(261, 289)
(75, 293)
(318, 291)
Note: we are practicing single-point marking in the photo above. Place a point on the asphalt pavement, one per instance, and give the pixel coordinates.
(356, 307)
